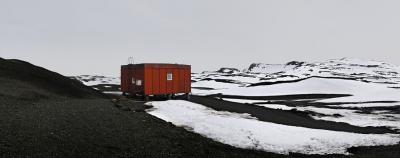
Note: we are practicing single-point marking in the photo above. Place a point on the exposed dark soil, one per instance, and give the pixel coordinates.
(302, 79)
(297, 100)
(219, 80)
(275, 82)
(203, 88)
(283, 97)
(291, 117)
(96, 128)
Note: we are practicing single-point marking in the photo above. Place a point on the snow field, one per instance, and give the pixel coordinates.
(243, 131)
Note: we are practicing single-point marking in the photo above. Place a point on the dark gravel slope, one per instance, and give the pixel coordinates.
(41, 78)
(96, 128)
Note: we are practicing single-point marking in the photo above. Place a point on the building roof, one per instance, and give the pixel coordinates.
(163, 65)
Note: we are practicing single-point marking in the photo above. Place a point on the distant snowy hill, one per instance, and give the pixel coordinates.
(345, 68)
(365, 70)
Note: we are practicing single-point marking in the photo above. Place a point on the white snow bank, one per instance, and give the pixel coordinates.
(244, 101)
(277, 106)
(113, 92)
(242, 131)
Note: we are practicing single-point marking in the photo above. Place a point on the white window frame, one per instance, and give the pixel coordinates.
(169, 76)
(138, 82)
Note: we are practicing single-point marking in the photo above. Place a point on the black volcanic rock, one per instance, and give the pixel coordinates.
(253, 65)
(228, 70)
(297, 63)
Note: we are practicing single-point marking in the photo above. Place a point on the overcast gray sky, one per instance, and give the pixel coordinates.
(97, 36)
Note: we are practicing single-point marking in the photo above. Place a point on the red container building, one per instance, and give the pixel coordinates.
(155, 79)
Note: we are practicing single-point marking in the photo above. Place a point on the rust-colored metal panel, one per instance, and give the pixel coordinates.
(148, 80)
(188, 82)
(156, 81)
(175, 80)
(163, 81)
(181, 83)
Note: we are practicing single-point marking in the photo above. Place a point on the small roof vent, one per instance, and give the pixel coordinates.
(130, 61)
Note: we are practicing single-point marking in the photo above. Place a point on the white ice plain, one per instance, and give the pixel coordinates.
(243, 131)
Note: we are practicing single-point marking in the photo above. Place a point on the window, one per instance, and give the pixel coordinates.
(138, 82)
(169, 76)
(133, 80)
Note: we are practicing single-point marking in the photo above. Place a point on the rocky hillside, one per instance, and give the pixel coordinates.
(41, 80)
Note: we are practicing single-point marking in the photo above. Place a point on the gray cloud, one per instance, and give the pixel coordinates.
(97, 36)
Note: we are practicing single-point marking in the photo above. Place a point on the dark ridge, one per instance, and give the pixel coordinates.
(292, 117)
(42, 78)
(219, 80)
(297, 64)
(364, 110)
(302, 79)
(283, 97)
(275, 82)
(203, 88)
(369, 66)
(392, 151)
(253, 66)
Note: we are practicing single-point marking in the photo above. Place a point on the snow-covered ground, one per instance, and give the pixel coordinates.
(370, 84)
(243, 131)
(361, 91)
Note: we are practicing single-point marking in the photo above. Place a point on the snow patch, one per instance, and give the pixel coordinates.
(243, 131)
